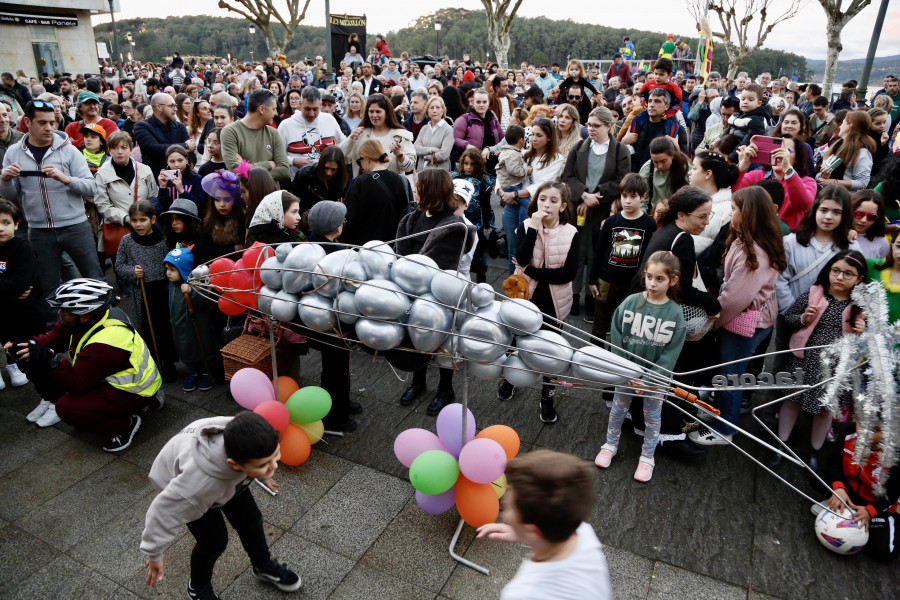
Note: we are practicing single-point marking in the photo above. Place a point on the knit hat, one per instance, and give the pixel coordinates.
(94, 128)
(183, 208)
(182, 258)
(87, 96)
(326, 216)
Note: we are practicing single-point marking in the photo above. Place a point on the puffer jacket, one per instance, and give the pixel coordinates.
(468, 130)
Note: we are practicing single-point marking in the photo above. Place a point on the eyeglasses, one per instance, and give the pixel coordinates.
(865, 216)
(703, 217)
(573, 97)
(835, 272)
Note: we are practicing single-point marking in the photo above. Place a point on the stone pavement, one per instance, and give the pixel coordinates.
(347, 521)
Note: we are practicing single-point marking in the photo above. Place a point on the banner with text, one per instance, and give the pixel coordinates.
(341, 28)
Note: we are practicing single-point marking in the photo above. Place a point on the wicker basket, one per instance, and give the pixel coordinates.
(254, 351)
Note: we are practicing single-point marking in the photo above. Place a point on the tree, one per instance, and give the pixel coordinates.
(736, 18)
(499, 22)
(836, 22)
(260, 13)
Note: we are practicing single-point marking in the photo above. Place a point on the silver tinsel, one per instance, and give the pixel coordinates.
(875, 394)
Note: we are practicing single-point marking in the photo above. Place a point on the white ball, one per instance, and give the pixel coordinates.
(315, 312)
(346, 304)
(413, 273)
(326, 279)
(839, 533)
(282, 251)
(379, 335)
(487, 371)
(298, 267)
(545, 351)
(481, 295)
(521, 316)
(264, 299)
(449, 288)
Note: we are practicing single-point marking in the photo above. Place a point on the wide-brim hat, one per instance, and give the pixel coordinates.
(183, 208)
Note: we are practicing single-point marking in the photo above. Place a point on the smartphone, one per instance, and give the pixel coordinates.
(765, 145)
(699, 87)
(170, 173)
(32, 174)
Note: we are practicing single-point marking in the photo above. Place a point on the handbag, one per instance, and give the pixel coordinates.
(696, 321)
(744, 324)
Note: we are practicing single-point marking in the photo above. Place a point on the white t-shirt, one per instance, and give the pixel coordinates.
(580, 576)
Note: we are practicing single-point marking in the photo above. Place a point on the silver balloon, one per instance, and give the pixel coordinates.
(449, 288)
(447, 359)
(282, 251)
(425, 313)
(377, 258)
(521, 316)
(354, 274)
(545, 351)
(284, 306)
(518, 373)
(481, 294)
(381, 299)
(270, 273)
(487, 371)
(326, 279)
(264, 299)
(346, 303)
(483, 340)
(597, 364)
(491, 312)
(379, 335)
(298, 266)
(413, 273)
(315, 312)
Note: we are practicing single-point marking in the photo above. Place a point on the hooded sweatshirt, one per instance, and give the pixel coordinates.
(193, 475)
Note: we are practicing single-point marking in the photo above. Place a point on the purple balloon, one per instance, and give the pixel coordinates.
(449, 427)
(413, 442)
(251, 387)
(482, 460)
(438, 503)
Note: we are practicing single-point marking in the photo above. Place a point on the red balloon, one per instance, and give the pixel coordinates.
(295, 446)
(241, 280)
(255, 255)
(218, 274)
(229, 306)
(239, 264)
(477, 503)
(275, 413)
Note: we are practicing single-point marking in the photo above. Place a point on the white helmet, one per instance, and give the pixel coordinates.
(82, 296)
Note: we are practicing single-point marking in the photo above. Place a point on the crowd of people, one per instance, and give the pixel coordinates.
(688, 219)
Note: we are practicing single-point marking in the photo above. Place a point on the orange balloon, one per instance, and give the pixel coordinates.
(295, 446)
(505, 436)
(286, 387)
(477, 503)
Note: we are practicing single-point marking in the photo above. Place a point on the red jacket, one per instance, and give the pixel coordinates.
(622, 71)
(799, 194)
(94, 363)
(860, 480)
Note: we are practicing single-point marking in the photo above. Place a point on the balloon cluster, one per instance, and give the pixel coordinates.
(445, 471)
(389, 302)
(297, 414)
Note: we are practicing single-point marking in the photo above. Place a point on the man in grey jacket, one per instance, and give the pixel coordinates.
(48, 176)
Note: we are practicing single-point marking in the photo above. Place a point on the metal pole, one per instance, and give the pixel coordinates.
(870, 55)
(115, 40)
(328, 57)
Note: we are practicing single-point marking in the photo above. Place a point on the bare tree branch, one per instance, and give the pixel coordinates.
(837, 20)
(261, 13)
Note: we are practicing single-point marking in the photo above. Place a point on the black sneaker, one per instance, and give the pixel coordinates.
(123, 440)
(441, 400)
(204, 593)
(190, 383)
(354, 408)
(346, 426)
(279, 575)
(588, 308)
(548, 412)
(506, 390)
(746, 406)
(411, 393)
(203, 383)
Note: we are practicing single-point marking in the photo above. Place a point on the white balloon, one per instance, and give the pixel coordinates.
(481, 294)
(483, 340)
(282, 251)
(326, 279)
(521, 316)
(354, 274)
(487, 371)
(264, 299)
(298, 266)
(425, 313)
(413, 273)
(381, 299)
(284, 306)
(377, 258)
(594, 363)
(346, 303)
(449, 288)
(518, 373)
(315, 312)
(545, 351)
(379, 335)
(270, 272)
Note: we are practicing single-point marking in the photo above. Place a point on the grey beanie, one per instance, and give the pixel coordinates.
(326, 216)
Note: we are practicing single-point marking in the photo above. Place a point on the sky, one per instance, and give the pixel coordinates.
(658, 15)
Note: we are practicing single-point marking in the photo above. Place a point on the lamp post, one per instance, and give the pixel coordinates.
(252, 31)
(437, 31)
(115, 39)
(130, 39)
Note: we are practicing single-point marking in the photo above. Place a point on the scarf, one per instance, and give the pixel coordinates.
(94, 158)
(151, 239)
(269, 210)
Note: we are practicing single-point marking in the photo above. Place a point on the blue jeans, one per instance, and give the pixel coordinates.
(513, 216)
(735, 347)
(75, 240)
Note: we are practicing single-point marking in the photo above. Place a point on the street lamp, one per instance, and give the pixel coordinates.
(252, 31)
(115, 39)
(437, 31)
(130, 39)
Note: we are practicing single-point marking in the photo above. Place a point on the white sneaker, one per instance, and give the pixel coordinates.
(707, 437)
(38, 411)
(49, 418)
(16, 377)
(816, 509)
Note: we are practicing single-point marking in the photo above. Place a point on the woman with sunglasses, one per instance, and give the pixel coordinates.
(380, 125)
(868, 223)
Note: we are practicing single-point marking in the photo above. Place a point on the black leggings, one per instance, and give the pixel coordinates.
(212, 536)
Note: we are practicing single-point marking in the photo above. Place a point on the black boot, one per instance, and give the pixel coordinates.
(441, 399)
(588, 308)
(576, 305)
(815, 461)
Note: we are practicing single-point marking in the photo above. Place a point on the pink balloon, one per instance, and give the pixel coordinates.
(413, 442)
(251, 387)
(449, 427)
(482, 460)
(275, 413)
(438, 503)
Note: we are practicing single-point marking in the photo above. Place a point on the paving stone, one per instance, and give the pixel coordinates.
(669, 582)
(63, 578)
(158, 428)
(23, 555)
(501, 558)
(414, 547)
(371, 444)
(355, 511)
(581, 428)
(365, 582)
(22, 441)
(629, 573)
(83, 508)
(320, 569)
(121, 593)
(49, 474)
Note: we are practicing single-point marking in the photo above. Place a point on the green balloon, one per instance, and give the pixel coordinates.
(434, 472)
(308, 404)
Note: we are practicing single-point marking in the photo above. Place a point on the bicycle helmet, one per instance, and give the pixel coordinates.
(83, 296)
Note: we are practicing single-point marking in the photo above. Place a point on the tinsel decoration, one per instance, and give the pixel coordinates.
(875, 394)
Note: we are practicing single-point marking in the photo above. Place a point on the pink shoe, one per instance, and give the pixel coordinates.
(644, 469)
(606, 455)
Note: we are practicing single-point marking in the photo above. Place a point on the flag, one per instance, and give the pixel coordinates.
(706, 55)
